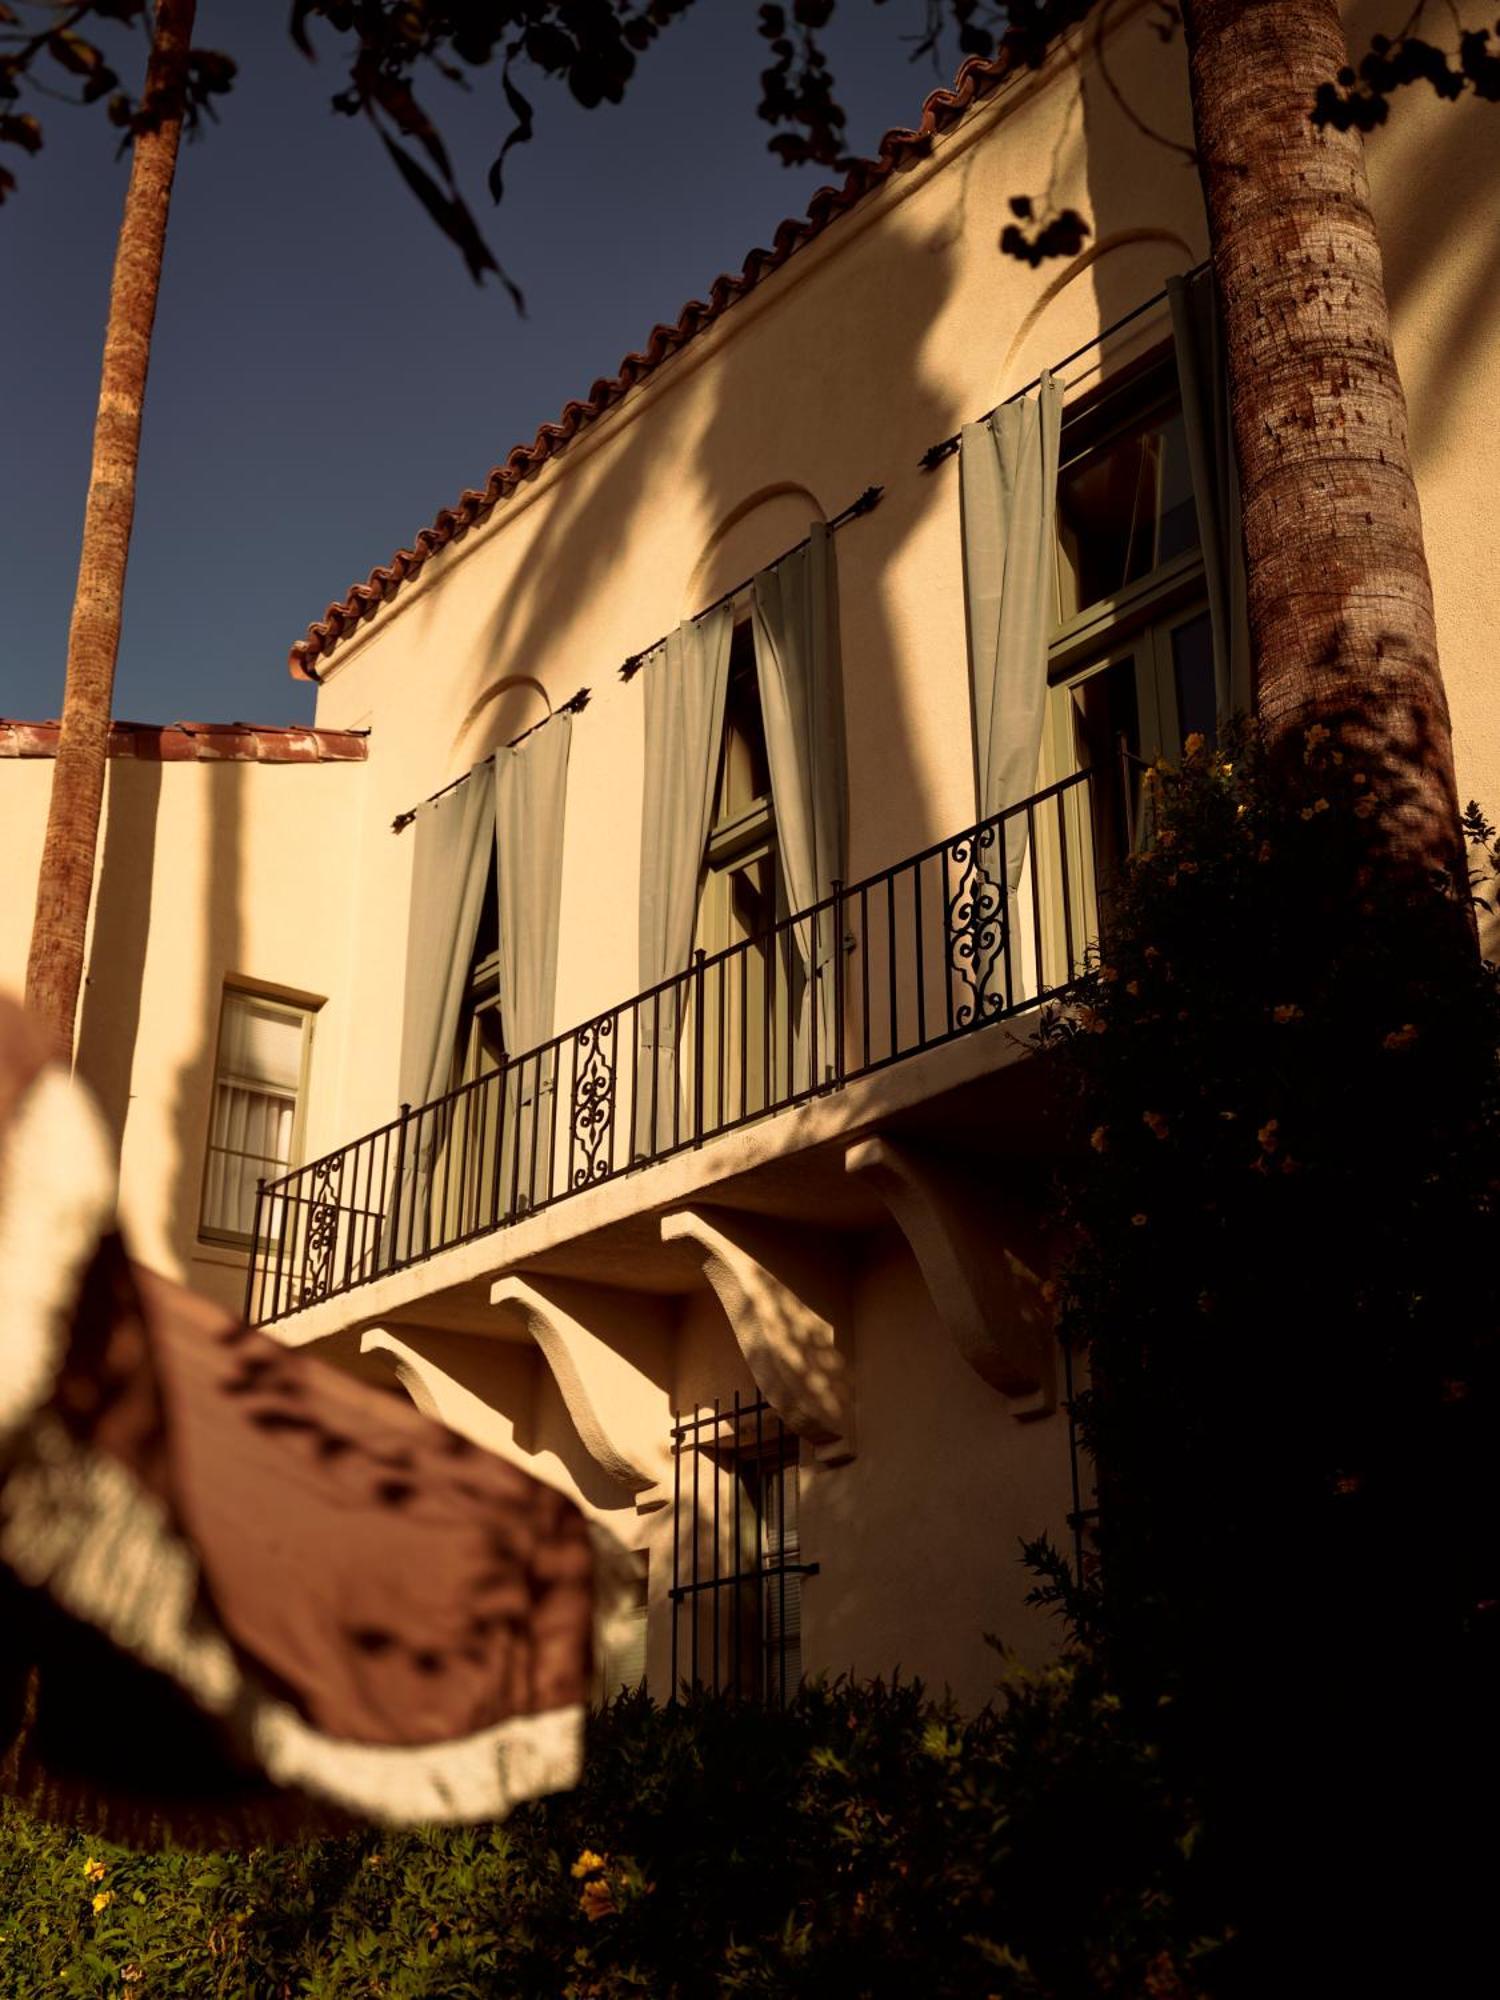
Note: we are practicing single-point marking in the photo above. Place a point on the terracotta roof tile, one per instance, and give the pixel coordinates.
(900, 148)
(198, 742)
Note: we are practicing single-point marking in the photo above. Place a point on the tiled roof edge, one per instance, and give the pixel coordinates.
(198, 742)
(900, 148)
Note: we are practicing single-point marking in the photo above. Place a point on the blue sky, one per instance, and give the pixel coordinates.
(325, 375)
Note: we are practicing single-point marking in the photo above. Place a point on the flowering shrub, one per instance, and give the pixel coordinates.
(868, 1842)
(1285, 1100)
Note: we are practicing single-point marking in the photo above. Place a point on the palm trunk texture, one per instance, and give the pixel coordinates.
(1340, 600)
(54, 971)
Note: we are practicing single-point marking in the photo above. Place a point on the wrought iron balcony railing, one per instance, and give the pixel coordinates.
(934, 948)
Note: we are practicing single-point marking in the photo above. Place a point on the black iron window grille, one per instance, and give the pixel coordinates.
(737, 1567)
(976, 929)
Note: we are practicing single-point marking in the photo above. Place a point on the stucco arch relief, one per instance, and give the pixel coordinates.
(981, 1249)
(763, 527)
(1095, 290)
(784, 1291)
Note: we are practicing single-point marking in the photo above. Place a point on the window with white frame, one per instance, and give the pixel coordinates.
(254, 1130)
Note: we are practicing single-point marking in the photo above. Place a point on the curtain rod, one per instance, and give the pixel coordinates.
(574, 705)
(865, 504)
(936, 453)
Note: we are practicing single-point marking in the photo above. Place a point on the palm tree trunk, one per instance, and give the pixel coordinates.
(1340, 600)
(54, 970)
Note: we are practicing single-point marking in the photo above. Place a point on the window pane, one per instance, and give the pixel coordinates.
(745, 774)
(1107, 741)
(260, 1042)
(1122, 511)
(1193, 672)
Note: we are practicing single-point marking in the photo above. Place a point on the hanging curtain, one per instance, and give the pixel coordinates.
(531, 785)
(686, 678)
(795, 612)
(1216, 489)
(1009, 503)
(455, 837)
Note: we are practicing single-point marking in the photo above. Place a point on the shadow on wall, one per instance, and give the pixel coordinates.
(221, 949)
(742, 422)
(109, 1021)
(1437, 160)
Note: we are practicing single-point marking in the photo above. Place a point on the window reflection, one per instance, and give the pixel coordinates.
(1124, 509)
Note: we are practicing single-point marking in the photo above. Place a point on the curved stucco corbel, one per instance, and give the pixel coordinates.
(979, 1249)
(483, 1392)
(609, 1355)
(786, 1299)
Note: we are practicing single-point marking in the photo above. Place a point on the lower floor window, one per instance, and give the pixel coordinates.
(253, 1129)
(737, 1567)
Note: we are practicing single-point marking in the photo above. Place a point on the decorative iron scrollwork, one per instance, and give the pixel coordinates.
(593, 1099)
(322, 1230)
(976, 922)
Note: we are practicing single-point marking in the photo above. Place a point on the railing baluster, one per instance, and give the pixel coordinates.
(864, 966)
(699, 1039)
(260, 1197)
(1036, 894)
(921, 942)
(1067, 887)
(838, 982)
(890, 950)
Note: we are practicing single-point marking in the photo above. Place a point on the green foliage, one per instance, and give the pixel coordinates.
(869, 1841)
(1286, 1103)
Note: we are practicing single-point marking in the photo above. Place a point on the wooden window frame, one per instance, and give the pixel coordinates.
(287, 1000)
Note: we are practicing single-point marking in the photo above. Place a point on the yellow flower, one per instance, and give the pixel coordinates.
(1193, 744)
(95, 1871)
(1099, 1138)
(588, 1863)
(103, 1900)
(596, 1900)
(1134, 989)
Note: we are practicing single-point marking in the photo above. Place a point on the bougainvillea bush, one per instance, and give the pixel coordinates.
(1284, 1096)
(867, 1842)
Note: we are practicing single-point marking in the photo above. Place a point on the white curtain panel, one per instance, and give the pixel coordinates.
(531, 791)
(1008, 484)
(455, 837)
(686, 679)
(1204, 384)
(795, 610)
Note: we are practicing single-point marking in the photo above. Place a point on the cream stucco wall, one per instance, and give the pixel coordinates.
(207, 872)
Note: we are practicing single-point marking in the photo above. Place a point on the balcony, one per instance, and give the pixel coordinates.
(925, 953)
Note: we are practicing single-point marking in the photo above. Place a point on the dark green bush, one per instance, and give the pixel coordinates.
(867, 1842)
(1285, 1079)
